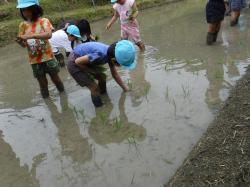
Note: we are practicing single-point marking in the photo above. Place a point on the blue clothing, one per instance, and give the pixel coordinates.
(237, 5)
(96, 52)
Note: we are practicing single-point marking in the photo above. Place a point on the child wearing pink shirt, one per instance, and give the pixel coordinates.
(127, 11)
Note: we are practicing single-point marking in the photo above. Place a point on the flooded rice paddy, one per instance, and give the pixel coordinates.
(138, 138)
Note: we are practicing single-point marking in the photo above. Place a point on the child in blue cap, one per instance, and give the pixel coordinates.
(62, 40)
(215, 11)
(86, 65)
(34, 33)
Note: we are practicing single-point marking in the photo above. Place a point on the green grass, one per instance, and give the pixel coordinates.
(57, 10)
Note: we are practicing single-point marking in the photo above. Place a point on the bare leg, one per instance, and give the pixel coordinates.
(57, 81)
(93, 87)
(234, 18)
(210, 33)
(102, 83)
(217, 30)
(43, 83)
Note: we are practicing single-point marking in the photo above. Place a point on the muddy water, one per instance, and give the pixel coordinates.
(139, 138)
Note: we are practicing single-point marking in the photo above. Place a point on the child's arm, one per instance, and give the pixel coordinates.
(43, 36)
(113, 20)
(21, 42)
(82, 63)
(134, 13)
(117, 78)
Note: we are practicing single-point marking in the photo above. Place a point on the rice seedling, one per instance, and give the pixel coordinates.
(130, 85)
(104, 118)
(167, 94)
(117, 123)
(146, 91)
(175, 107)
(186, 91)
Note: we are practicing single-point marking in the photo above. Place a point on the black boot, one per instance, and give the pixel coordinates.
(96, 101)
(215, 36)
(102, 87)
(210, 38)
(44, 93)
(60, 87)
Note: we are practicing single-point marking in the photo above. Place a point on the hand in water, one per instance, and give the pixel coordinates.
(108, 26)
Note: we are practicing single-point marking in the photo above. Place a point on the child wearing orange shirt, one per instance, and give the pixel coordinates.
(34, 33)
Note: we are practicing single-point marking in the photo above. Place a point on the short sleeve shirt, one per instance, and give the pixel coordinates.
(124, 10)
(39, 50)
(59, 40)
(96, 52)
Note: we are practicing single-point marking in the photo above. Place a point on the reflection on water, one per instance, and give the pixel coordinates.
(178, 83)
(73, 143)
(138, 83)
(105, 130)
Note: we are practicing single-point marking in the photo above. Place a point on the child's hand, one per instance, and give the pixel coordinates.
(126, 89)
(21, 42)
(108, 26)
(131, 19)
(25, 37)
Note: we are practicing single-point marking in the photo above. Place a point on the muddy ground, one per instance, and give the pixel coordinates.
(222, 156)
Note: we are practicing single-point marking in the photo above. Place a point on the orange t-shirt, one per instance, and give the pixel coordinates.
(39, 50)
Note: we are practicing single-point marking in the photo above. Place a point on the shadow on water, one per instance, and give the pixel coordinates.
(11, 171)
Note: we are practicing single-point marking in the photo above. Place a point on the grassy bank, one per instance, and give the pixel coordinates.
(59, 10)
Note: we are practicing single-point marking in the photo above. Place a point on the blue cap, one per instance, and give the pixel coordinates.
(73, 30)
(26, 3)
(125, 54)
(113, 1)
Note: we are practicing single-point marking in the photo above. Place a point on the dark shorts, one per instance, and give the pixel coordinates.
(215, 11)
(50, 67)
(84, 78)
(237, 5)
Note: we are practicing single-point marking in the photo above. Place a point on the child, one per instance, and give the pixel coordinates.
(34, 33)
(236, 6)
(128, 12)
(85, 31)
(63, 39)
(86, 65)
(215, 11)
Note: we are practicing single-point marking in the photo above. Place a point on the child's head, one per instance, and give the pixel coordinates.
(84, 27)
(122, 53)
(73, 33)
(121, 2)
(31, 13)
(30, 9)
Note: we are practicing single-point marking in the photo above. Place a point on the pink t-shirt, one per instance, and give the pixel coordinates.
(124, 10)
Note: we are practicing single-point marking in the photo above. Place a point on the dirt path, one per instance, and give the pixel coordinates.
(222, 156)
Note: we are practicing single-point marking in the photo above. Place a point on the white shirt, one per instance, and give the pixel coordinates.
(59, 40)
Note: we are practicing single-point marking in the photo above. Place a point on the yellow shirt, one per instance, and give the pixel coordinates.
(39, 50)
